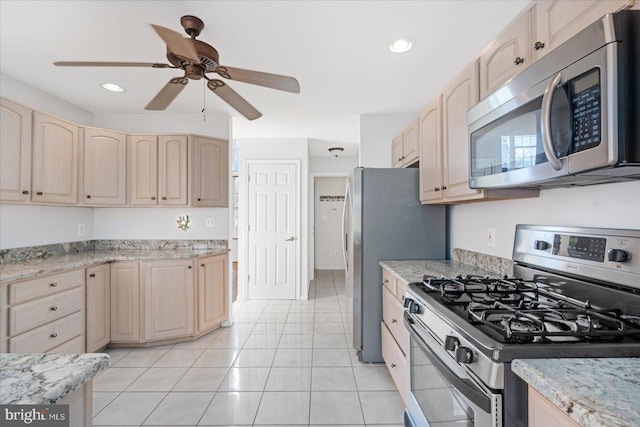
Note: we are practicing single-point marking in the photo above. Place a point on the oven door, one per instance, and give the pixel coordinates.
(441, 391)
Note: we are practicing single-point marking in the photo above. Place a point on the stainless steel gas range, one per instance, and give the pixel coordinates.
(575, 293)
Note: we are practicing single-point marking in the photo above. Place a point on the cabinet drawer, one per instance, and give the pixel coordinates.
(27, 316)
(395, 361)
(43, 286)
(49, 336)
(389, 281)
(73, 346)
(392, 312)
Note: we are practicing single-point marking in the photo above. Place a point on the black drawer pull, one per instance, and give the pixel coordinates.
(393, 365)
(201, 265)
(164, 198)
(153, 197)
(54, 308)
(53, 335)
(53, 284)
(538, 46)
(92, 275)
(394, 321)
(518, 61)
(39, 193)
(88, 196)
(25, 192)
(188, 266)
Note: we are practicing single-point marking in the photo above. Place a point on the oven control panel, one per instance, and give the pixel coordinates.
(581, 247)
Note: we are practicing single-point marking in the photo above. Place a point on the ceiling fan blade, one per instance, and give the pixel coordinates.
(167, 94)
(110, 64)
(232, 98)
(177, 44)
(274, 81)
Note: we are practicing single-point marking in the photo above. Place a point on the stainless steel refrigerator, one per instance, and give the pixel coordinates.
(383, 220)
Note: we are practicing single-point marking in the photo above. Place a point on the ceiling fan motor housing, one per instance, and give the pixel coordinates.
(209, 57)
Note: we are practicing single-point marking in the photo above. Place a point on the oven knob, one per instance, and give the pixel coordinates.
(414, 308)
(617, 255)
(464, 355)
(541, 245)
(451, 343)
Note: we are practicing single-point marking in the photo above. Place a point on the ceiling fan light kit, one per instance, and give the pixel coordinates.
(196, 59)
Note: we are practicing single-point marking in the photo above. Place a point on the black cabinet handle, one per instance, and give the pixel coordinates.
(88, 196)
(153, 197)
(436, 189)
(39, 193)
(25, 192)
(92, 275)
(444, 188)
(164, 198)
(201, 265)
(54, 308)
(53, 284)
(53, 335)
(189, 266)
(199, 199)
(538, 46)
(518, 61)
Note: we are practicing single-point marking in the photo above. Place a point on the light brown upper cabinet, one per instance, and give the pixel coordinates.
(556, 21)
(430, 130)
(460, 95)
(15, 146)
(55, 160)
(507, 55)
(210, 161)
(405, 147)
(158, 174)
(104, 172)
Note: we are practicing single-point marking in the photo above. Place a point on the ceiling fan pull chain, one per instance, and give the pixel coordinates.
(204, 101)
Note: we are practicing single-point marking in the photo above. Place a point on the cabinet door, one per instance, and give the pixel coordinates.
(15, 152)
(125, 302)
(211, 172)
(410, 144)
(458, 97)
(212, 291)
(172, 170)
(104, 167)
(396, 152)
(168, 299)
(506, 56)
(556, 21)
(98, 311)
(430, 131)
(55, 160)
(143, 170)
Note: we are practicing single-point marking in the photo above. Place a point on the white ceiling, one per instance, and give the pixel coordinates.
(336, 49)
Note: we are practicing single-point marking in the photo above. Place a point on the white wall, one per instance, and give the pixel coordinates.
(216, 125)
(328, 243)
(376, 133)
(609, 205)
(325, 164)
(22, 226)
(42, 101)
(159, 223)
(274, 149)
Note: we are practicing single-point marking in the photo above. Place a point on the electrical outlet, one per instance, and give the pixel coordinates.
(81, 229)
(491, 237)
(210, 222)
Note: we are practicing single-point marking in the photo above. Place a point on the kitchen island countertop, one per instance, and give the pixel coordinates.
(40, 379)
(13, 271)
(592, 392)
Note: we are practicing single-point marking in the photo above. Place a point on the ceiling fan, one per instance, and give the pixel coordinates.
(198, 58)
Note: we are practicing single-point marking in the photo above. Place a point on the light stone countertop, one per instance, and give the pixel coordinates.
(13, 271)
(413, 271)
(40, 379)
(592, 392)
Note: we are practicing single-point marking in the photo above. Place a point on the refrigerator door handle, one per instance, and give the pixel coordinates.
(347, 200)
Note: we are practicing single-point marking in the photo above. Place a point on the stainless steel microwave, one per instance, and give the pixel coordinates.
(571, 118)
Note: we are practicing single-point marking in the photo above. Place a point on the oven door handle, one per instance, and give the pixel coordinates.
(465, 387)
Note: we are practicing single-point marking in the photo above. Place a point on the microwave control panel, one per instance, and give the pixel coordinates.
(585, 109)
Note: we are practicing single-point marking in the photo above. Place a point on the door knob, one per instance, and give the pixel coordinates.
(290, 239)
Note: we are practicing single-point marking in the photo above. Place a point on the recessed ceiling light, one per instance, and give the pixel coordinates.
(401, 45)
(113, 87)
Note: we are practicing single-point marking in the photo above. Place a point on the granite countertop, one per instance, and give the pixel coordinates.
(592, 392)
(413, 271)
(27, 269)
(40, 379)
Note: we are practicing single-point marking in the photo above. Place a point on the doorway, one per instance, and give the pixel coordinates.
(328, 206)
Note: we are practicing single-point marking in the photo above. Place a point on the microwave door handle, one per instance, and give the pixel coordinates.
(545, 123)
(464, 386)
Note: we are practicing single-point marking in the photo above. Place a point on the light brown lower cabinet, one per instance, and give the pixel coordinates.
(125, 302)
(395, 337)
(98, 313)
(212, 292)
(543, 413)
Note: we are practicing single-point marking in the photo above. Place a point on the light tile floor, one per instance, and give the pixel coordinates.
(281, 363)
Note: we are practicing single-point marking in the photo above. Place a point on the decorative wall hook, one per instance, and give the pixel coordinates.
(183, 223)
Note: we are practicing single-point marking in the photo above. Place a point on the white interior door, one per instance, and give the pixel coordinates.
(272, 235)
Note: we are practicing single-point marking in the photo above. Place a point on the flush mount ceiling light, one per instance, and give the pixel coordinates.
(336, 150)
(113, 87)
(401, 45)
